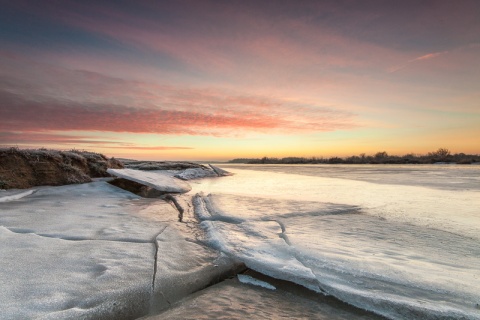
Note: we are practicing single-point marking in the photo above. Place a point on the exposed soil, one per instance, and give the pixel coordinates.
(21, 169)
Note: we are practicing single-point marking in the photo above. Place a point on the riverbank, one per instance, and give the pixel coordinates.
(26, 168)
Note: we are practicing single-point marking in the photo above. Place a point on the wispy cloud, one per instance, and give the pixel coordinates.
(223, 38)
(48, 138)
(39, 139)
(46, 98)
(427, 56)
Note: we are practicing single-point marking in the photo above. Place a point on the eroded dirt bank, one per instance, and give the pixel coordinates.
(20, 169)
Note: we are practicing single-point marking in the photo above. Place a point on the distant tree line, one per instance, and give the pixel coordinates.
(442, 155)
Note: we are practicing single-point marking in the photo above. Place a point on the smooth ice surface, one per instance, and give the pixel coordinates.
(79, 251)
(57, 279)
(91, 211)
(157, 180)
(429, 205)
(244, 278)
(403, 250)
(446, 177)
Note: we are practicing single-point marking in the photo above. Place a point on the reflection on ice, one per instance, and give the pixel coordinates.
(397, 250)
(449, 210)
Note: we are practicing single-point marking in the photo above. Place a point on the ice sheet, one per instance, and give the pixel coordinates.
(92, 211)
(60, 279)
(260, 246)
(90, 251)
(445, 209)
(185, 266)
(394, 268)
(444, 177)
(157, 180)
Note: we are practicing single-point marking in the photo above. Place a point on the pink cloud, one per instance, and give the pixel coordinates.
(429, 56)
(39, 139)
(242, 39)
(40, 97)
(433, 55)
(19, 114)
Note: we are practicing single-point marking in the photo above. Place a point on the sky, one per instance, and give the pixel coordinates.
(217, 80)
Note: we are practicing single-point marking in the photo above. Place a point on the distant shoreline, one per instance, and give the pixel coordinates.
(441, 156)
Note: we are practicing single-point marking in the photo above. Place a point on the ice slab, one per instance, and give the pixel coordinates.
(244, 278)
(395, 269)
(91, 211)
(261, 245)
(234, 208)
(157, 180)
(59, 279)
(185, 266)
(196, 173)
(96, 251)
(6, 196)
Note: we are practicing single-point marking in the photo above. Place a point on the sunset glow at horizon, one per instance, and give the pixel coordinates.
(217, 80)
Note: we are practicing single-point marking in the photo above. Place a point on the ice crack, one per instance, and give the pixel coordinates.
(155, 260)
(72, 238)
(284, 236)
(177, 206)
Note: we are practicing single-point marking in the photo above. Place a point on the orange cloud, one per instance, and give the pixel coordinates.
(40, 97)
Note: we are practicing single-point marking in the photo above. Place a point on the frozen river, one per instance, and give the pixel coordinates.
(402, 241)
